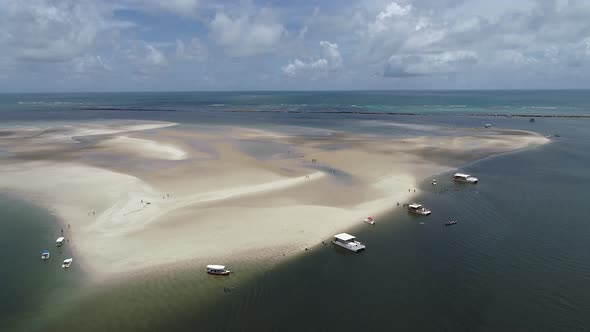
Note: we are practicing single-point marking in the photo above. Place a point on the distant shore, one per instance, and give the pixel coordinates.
(142, 194)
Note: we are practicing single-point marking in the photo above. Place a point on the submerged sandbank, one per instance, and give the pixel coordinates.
(137, 198)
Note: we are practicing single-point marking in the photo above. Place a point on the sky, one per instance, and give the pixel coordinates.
(189, 45)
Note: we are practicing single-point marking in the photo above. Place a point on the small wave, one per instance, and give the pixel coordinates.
(49, 103)
(540, 107)
(217, 105)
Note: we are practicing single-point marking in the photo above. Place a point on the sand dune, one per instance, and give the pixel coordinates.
(145, 148)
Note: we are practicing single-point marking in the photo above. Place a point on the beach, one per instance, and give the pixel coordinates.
(135, 195)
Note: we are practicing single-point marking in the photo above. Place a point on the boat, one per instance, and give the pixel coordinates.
(217, 270)
(67, 263)
(451, 222)
(45, 255)
(532, 120)
(466, 178)
(369, 220)
(60, 241)
(418, 209)
(348, 241)
(488, 125)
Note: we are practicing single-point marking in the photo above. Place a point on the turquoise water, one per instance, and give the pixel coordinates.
(83, 105)
(519, 259)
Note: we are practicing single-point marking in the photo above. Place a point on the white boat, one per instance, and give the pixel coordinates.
(418, 209)
(369, 220)
(466, 178)
(45, 255)
(348, 241)
(217, 270)
(60, 241)
(67, 263)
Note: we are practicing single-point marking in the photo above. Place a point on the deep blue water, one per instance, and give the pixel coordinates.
(519, 259)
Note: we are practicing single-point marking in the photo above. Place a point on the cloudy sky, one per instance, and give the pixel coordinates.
(129, 45)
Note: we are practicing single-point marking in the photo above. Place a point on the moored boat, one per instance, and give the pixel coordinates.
(418, 209)
(60, 241)
(45, 255)
(217, 270)
(369, 220)
(466, 178)
(451, 222)
(348, 241)
(67, 263)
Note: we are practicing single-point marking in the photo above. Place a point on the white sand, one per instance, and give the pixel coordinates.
(145, 148)
(229, 205)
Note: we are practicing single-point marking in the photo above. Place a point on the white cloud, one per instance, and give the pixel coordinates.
(60, 30)
(331, 60)
(145, 59)
(424, 38)
(393, 11)
(89, 64)
(246, 35)
(429, 64)
(178, 7)
(478, 41)
(192, 50)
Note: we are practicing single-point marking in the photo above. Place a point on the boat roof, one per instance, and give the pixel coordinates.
(462, 175)
(216, 267)
(46, 251)
(68, 260)
(344, 237)
(60, 239)
(415, 206)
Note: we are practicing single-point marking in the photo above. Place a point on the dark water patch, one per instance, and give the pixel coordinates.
(505, 266)
(30, 285)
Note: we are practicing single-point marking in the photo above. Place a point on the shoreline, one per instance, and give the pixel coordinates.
(277, 215)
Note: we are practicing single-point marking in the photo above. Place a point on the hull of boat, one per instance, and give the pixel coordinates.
(351, 248)
(421, 213)
(465, 181)
(225, 273)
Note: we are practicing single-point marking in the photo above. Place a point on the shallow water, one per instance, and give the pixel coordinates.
(30, 285)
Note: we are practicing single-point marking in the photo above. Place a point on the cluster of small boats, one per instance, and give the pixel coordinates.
(349, 242)
(457, 177)
(211, 269)
(343, 240)
(58, 243)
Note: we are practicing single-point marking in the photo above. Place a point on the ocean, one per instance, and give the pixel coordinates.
(519, 259)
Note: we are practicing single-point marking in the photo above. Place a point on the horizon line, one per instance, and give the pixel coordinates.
(263, 91)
